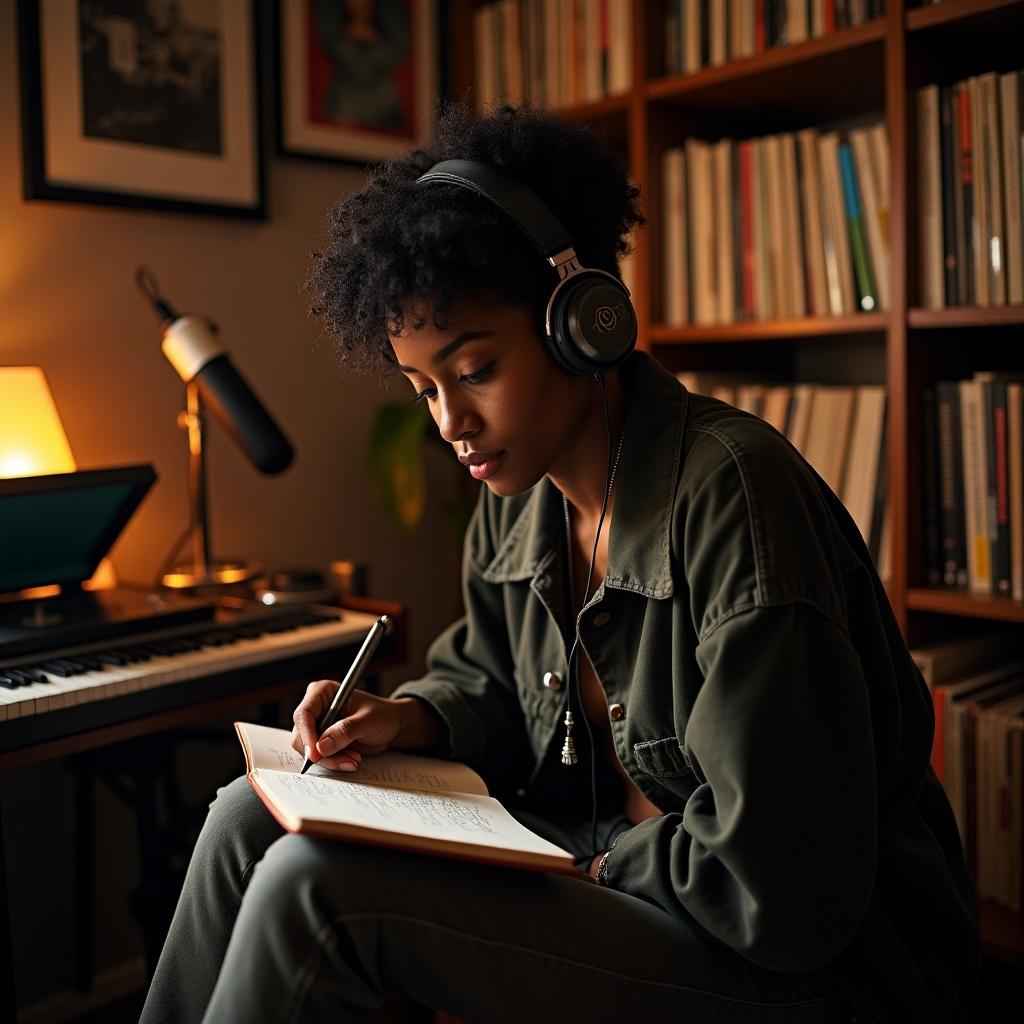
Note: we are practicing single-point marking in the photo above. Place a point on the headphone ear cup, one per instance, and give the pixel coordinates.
(593, 324)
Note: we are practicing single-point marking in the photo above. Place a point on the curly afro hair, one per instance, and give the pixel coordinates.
(390, 244)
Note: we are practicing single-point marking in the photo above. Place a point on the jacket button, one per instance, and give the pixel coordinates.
(602, 619)
(552, 680)
(616, 711)
(520, 792)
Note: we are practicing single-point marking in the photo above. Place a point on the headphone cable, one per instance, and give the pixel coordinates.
(574, 676)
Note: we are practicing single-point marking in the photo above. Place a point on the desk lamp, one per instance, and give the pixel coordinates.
(191, 346)
(33, 443)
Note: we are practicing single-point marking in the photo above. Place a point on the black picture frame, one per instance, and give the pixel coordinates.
(296, 134)
(64, 158)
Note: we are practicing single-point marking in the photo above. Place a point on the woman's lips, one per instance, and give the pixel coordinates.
(482, 470)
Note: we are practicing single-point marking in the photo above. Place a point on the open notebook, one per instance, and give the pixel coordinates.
(394, 799)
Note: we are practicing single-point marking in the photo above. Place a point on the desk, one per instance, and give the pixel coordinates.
(93, 727)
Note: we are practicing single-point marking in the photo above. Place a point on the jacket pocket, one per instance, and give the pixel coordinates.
(662, 758)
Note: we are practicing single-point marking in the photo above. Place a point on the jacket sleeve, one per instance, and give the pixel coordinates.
(774, 853)
(469, 680)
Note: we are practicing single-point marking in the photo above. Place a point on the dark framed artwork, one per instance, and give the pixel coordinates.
(357, 81)
(148, 104)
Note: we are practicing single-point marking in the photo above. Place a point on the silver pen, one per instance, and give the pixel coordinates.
(354, 674)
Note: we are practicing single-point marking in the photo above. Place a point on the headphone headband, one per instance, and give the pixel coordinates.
(523, 205)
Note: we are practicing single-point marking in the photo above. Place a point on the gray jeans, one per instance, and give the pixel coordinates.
(272, 927)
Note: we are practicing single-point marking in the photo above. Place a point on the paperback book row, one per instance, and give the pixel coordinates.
(840, 430)
(787, 225)
(706, 33)
(554, 53)
(974, 443)
(970, 152)
(977, 690)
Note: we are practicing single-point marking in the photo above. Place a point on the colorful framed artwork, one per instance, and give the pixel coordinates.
(357, 81)
(152, 104)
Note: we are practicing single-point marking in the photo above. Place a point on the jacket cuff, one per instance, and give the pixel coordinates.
(620, 862)
(465, 741)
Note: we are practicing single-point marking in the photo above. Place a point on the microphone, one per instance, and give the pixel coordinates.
(192, 348)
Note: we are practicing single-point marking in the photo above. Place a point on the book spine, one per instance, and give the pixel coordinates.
(930, 206)
(747, 191)
(980, 226)
(933, 538)
(972, 421)
(1015, 460)
(951, 496)
(1012, 179)
(995, 241)
(968, 247)
(878, 514)
(737, 214)
(998, 488)
(855, 222)
(948, 200)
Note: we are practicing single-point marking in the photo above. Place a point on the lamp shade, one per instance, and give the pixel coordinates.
(32, 438)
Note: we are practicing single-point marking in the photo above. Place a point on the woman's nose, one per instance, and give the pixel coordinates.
(454, 420)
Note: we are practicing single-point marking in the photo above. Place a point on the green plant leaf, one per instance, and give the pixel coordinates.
(395, 461)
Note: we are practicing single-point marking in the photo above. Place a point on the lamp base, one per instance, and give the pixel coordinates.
(216, 574)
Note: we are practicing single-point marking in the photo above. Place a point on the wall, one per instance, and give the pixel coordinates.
(68, 303)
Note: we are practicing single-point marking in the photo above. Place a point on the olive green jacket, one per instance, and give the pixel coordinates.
(771, 708)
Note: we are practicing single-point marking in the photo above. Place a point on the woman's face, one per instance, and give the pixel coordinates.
(490, 386)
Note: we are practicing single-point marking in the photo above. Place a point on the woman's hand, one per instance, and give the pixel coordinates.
(367, 725)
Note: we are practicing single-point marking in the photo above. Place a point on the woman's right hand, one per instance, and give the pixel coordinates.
(367, 725)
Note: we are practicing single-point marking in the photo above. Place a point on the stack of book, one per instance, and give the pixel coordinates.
(703, 33)
(969, 141)
(840, 430)
(554, 53)
(787, 225)
(975, 483)
(977, 689)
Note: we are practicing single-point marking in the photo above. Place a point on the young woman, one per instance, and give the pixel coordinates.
(676, 661)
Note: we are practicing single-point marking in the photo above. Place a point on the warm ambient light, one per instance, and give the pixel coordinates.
(33, 443)
(32, 439)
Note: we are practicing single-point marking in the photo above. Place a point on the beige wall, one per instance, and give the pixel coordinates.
(68, 303)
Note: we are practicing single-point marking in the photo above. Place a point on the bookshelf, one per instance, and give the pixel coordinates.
(874, 68)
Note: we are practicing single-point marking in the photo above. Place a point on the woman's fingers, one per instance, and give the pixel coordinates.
(308, 713)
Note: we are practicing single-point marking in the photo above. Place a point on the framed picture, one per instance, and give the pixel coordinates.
(149, 104)
(356, 81)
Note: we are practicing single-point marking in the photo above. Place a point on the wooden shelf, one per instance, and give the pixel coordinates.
(966, 316)
(957, 602)
(1002, 933)
(838, 73)
(931, 15)
(770, 330)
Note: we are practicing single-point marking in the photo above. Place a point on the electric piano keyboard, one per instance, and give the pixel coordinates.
(63, 681)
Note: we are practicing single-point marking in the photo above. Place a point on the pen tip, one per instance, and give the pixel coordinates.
(306, 764)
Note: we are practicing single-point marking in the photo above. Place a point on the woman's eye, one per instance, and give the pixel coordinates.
(479, 376)
(425, 393)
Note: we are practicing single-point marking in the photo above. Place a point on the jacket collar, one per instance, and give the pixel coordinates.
(639, 557)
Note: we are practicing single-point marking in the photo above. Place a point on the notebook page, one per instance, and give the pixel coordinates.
(269, 748)
(451, 817)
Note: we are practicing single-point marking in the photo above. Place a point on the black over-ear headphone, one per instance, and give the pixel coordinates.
(590, 324)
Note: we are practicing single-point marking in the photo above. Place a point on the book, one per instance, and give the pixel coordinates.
(951, 494)
(394, 799)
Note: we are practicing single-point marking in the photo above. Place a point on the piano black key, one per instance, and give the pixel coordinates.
(90, 661)
(20, 675)
(56, 668)
(77, 667)
(110, 658)
(9, 682)
(138, 653)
